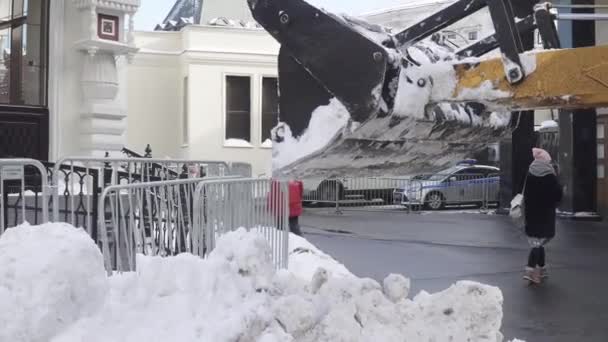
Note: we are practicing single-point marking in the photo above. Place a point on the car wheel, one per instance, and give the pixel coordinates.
(434, 201)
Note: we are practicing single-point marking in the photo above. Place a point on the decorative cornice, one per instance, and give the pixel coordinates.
(129, 6)
(92, 46)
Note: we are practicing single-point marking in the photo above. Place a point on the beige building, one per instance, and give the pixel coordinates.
(204, 85)
(205, 92)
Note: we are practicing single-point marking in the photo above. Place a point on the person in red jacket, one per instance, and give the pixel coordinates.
(296, 192)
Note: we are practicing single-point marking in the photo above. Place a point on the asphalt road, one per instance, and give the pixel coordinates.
(436, 250)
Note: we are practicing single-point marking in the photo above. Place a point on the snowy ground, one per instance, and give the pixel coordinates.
(53, 287)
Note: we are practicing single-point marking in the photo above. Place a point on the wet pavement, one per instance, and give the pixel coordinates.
(435, 250)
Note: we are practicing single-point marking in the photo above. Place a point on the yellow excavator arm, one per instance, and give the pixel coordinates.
(567, 78)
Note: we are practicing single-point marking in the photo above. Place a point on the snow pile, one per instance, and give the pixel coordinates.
(325, 123)
(305, 258)
(50, 276)
(233, 295)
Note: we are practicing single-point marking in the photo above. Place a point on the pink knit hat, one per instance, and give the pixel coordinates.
(540, 154)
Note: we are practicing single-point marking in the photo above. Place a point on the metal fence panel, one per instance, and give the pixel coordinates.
(77, 181)
(434, 192)
(259, 204)
(23, 192)
(153, 218)
(244, 170)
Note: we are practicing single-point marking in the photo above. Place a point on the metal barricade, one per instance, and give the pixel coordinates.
(326, 192)
(409, 194)
(239, 169)
(363, 193)
(371, 193)
(492, 195)
(253, 204)
(23, 192)
(77, 181)
(152, 218)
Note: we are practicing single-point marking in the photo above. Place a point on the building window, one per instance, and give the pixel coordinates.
(601, 172)
(601, 153)
(473, 35)
(238, 108)
(23, 57)
(185, 119)
(270, 106)
(600, 131)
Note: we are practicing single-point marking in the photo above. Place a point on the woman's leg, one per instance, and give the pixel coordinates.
(533, 257)
(541, 263)
(541, 256)
(532, 271)
(294, 225)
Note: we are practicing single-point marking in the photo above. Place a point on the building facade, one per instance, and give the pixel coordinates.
(204, 85)
(205, 92)
(62, 76)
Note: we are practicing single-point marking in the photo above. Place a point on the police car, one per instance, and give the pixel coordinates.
(465, 183)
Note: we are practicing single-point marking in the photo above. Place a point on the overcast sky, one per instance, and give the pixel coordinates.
(152, 12)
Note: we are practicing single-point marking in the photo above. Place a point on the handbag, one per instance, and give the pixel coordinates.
(517, 211)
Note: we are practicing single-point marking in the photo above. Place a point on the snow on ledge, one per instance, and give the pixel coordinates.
(267, 143)
(234, 294)
(237, 143)
(549, 124)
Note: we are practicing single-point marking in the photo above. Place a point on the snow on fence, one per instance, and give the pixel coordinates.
(23, 192)
(433, 191)
(258, 204)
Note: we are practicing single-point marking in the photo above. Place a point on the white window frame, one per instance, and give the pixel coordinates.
(261, 103)
(252, 78)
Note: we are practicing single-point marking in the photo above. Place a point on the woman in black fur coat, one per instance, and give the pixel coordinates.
(542, 194)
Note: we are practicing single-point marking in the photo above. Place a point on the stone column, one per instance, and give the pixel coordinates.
(103, 116)
(103, 104)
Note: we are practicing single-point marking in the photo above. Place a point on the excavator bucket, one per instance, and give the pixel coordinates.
(356, 100)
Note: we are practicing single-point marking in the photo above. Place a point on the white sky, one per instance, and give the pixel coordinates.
(153, 12)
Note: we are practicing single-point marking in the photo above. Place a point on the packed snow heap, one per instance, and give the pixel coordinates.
(53, 287)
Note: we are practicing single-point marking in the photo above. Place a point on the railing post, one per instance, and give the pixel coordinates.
(406, 190)
(485, 193)
(338, 211)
